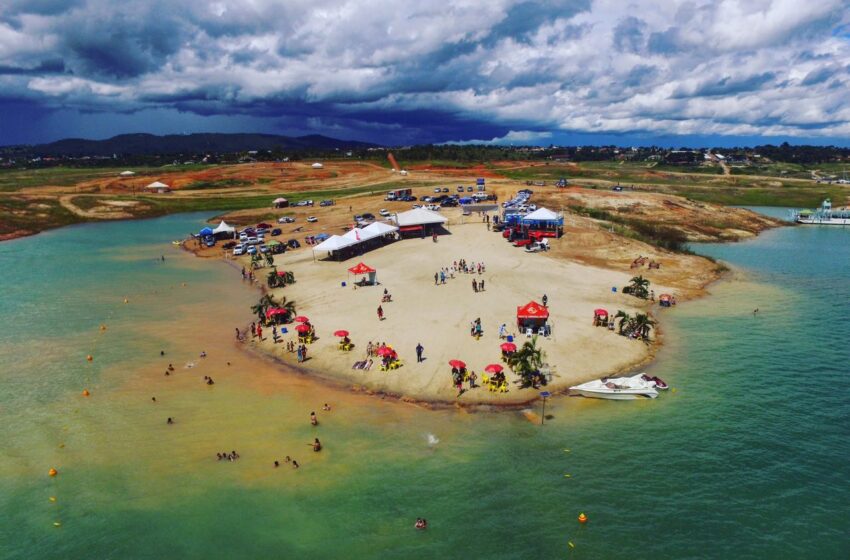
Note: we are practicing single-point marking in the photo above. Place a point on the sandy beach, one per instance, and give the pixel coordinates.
(439, 316)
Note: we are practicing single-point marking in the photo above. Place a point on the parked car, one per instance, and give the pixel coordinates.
(276, 231)
(368, 216)
(263, 225)
(252, 250)
(469, 189)
(238, 250)
(252, 240)
(384, 212)
(293, 244)
(437, 189)
(209, 242)
(409, 198)
(301, 203)
(261, 231)
(312, 219)
(434, 207)
(264, 249)
(285, 220)
(415, 206)
(445, 189)
(326, 203)
(460, 188)
(229, 245)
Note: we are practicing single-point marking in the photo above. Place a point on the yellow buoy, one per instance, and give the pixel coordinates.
(52, 498)
(571, 544)
(567, 476)
(126, 300)
(103, 327)
(57, 524)
(86, 393)
(52, 472)
(582, 518)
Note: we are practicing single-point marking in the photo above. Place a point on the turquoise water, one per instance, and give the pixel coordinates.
(747, 458)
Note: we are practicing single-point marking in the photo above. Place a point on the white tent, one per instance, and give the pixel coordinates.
(317, 165)
(542, 215)
(224, 228)
(127, 173)
(419, 217)
(380, 228)
(333, 243)
(157, 186)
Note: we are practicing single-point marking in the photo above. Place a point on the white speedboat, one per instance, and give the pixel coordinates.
(618, 388)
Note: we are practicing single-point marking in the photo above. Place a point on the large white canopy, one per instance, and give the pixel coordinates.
(419, 217)
(224, 228)
(380, 228)
(334, 243)
(157, 185)
(127, 173)
(542, 215)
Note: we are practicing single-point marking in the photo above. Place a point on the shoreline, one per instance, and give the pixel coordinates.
(336, 379)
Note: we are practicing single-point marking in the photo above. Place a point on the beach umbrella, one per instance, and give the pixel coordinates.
(341, 333)
(508, 347)
(303, 328)
(459, 364)
(384, 351)
(302, 319)
(493, 368)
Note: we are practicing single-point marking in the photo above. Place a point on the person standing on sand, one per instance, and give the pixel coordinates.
(436, 279)
(419, 350)
(474, 286)
(482, 285)
(260, 332)
(314, 420)
(380, 313)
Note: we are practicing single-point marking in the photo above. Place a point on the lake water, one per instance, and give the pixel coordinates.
(746, 458)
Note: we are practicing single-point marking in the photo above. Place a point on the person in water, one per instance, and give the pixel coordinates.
(294, 464)
(314, 420)
(170, 420)
(317, 445)
(276, 464)
(170, 367)
(326, 407)
(421, 523)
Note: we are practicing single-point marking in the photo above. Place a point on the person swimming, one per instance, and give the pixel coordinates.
(153, 399)
(317, 445)
(170, 367)
(421, 523)
(210, 381)
(294, 464)
(287, 459)
(326, 407)
(314, 420)
(170, 420)
(276, 464)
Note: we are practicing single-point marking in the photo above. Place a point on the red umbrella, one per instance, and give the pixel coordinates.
(341, 333)
(303, 328)
(302, 319)
(457, 364)
(493, 368)
(508, 347)
(384, 351)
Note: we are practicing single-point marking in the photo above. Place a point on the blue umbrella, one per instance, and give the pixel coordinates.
(206, 231)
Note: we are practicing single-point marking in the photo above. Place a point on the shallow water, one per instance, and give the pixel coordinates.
(747, 458)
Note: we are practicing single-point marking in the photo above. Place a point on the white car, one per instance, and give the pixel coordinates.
(312, 219)
(438, 189)
(238, 250)
(285, 220)
(433, 207)
(384, 212)
(252, 241)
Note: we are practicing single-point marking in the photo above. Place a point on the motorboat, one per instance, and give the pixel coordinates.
(659, 383)
(638, 386)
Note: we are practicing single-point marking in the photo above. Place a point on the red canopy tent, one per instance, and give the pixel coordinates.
(302, 328)
(508, 347)
(276, 314)
(600, 317)
(364, 270)
(532, 314)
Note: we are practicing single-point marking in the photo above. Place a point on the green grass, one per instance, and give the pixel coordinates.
(16, 179)
(33, 215)
(222, 184)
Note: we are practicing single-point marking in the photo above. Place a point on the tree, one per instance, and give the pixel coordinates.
(639, 287)
(527, 361)
(641, 324)
(625, 320)
(266, 302)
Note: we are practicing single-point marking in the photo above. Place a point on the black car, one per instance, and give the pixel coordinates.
(448, 202)
(409, 198)
(279, 248)
(229, 245)
(326, 203)
(293, 244)
(368, 216)
(276, 231)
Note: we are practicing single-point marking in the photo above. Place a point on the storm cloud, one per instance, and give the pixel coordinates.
(427, 71)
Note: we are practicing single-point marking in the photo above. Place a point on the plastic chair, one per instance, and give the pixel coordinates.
(529, 332)
(541, 331)
(503, 388)
(485, 379)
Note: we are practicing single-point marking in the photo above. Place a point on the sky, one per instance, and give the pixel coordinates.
(397, 72)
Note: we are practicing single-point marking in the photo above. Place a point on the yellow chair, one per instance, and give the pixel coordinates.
(503, 388)
(485, 379)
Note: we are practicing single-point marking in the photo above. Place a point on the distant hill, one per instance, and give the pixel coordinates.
(150, 144)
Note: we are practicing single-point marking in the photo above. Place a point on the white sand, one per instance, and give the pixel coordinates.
(439, 317)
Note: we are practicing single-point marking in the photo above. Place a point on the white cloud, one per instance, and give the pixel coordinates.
(660, 66)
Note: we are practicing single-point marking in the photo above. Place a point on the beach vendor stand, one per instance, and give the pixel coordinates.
(532, 318)
(370, 275)
(600, 317)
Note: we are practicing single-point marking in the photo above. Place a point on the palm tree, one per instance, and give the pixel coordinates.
(642, 324)
(527, 361)
(640, 287)
(273, 280)
(263, 305)
(269, 259)
(625, 320)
